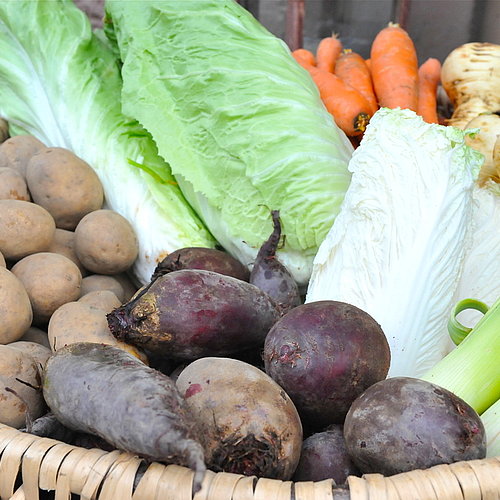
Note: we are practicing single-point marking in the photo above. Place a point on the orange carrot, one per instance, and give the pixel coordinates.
(394, 68)
(352, 69)
(349, 108)
(327, 51)
(368, 63)
(305, 55)
(429, 76)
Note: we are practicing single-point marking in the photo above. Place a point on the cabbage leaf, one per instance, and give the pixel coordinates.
(239, 121)
(397, 247)
(62, 84)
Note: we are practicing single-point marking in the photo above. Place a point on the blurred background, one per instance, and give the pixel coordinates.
(436, 26)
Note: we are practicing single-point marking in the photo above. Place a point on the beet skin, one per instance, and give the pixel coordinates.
(193, 313)
(403, 423)
(325, 354)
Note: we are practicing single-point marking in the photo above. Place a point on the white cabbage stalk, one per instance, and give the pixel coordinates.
(480, 277)
(397, 247)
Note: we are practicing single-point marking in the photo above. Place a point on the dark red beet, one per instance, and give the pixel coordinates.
(325, 354)
(270, 275)
(324, 455)
(209, 259)
(194, 313)
(402, 423)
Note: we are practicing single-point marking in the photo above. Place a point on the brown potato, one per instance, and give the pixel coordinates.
(64, 244)
(12, 185)
(97, 282)
(105, 300)
(25, 228)
(38, 352)
(20, 391)
(50, 280)
(106, 242)
(65, 185)
(2, 260)
(129, 286)
(34, 334)
(79, 322)
(17, 151)
(15, 308)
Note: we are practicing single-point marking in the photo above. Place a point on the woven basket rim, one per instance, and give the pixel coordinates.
(95, 474)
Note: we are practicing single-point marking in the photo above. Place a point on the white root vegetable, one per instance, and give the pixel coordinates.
(484, 142)
(471, 77)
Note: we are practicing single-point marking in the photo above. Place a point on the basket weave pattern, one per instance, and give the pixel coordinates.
(47, 464)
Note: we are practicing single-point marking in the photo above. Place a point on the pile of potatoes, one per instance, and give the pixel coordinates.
(64, 262)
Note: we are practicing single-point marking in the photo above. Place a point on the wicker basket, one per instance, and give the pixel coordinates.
(30, 464)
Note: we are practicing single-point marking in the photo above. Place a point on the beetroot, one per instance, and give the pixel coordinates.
(209, 259)
(270, 275)
(324, 455)
(193, 313)
(247, 423)
(325, 354)
(103, 390)
(403, 423)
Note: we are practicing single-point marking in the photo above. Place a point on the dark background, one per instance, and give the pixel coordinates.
(436, 26)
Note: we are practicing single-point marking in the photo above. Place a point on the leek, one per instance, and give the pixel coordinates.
(491, 422)
(472, 370)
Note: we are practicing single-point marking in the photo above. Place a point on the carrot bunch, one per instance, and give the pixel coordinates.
(353, 88)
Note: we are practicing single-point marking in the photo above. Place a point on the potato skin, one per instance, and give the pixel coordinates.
(78, 321)
(12, 185)
(247, 423)
(15, 307)
(16, 364)
(192, 313)
(17, 151)
(100, 282)
(106, 242)
(105, 300)
(38, 352)
(403, 423)
(50, 280)
(2, 260)
(65, 185)
(25, 228)
(64, 244)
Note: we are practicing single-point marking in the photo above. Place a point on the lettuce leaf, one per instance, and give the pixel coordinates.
(62, 84)
(397, 247)
(239, 121)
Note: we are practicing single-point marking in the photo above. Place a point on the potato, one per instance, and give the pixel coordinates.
(65, 185)
(25, 229)
(101, 299)
(17, 151)
(34, 334)
(64, 244)
(12, 185)
(15, 307)
(2, 260)
(17, 399)
(129, 286)
(38, 352)
(106, 242)
(50, 280)
(80, 322)
(97, 282)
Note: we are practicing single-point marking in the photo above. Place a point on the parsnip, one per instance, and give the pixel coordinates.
(471, 77)
(484, 142)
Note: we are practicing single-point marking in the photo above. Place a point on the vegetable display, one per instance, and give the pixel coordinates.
(220, 254)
